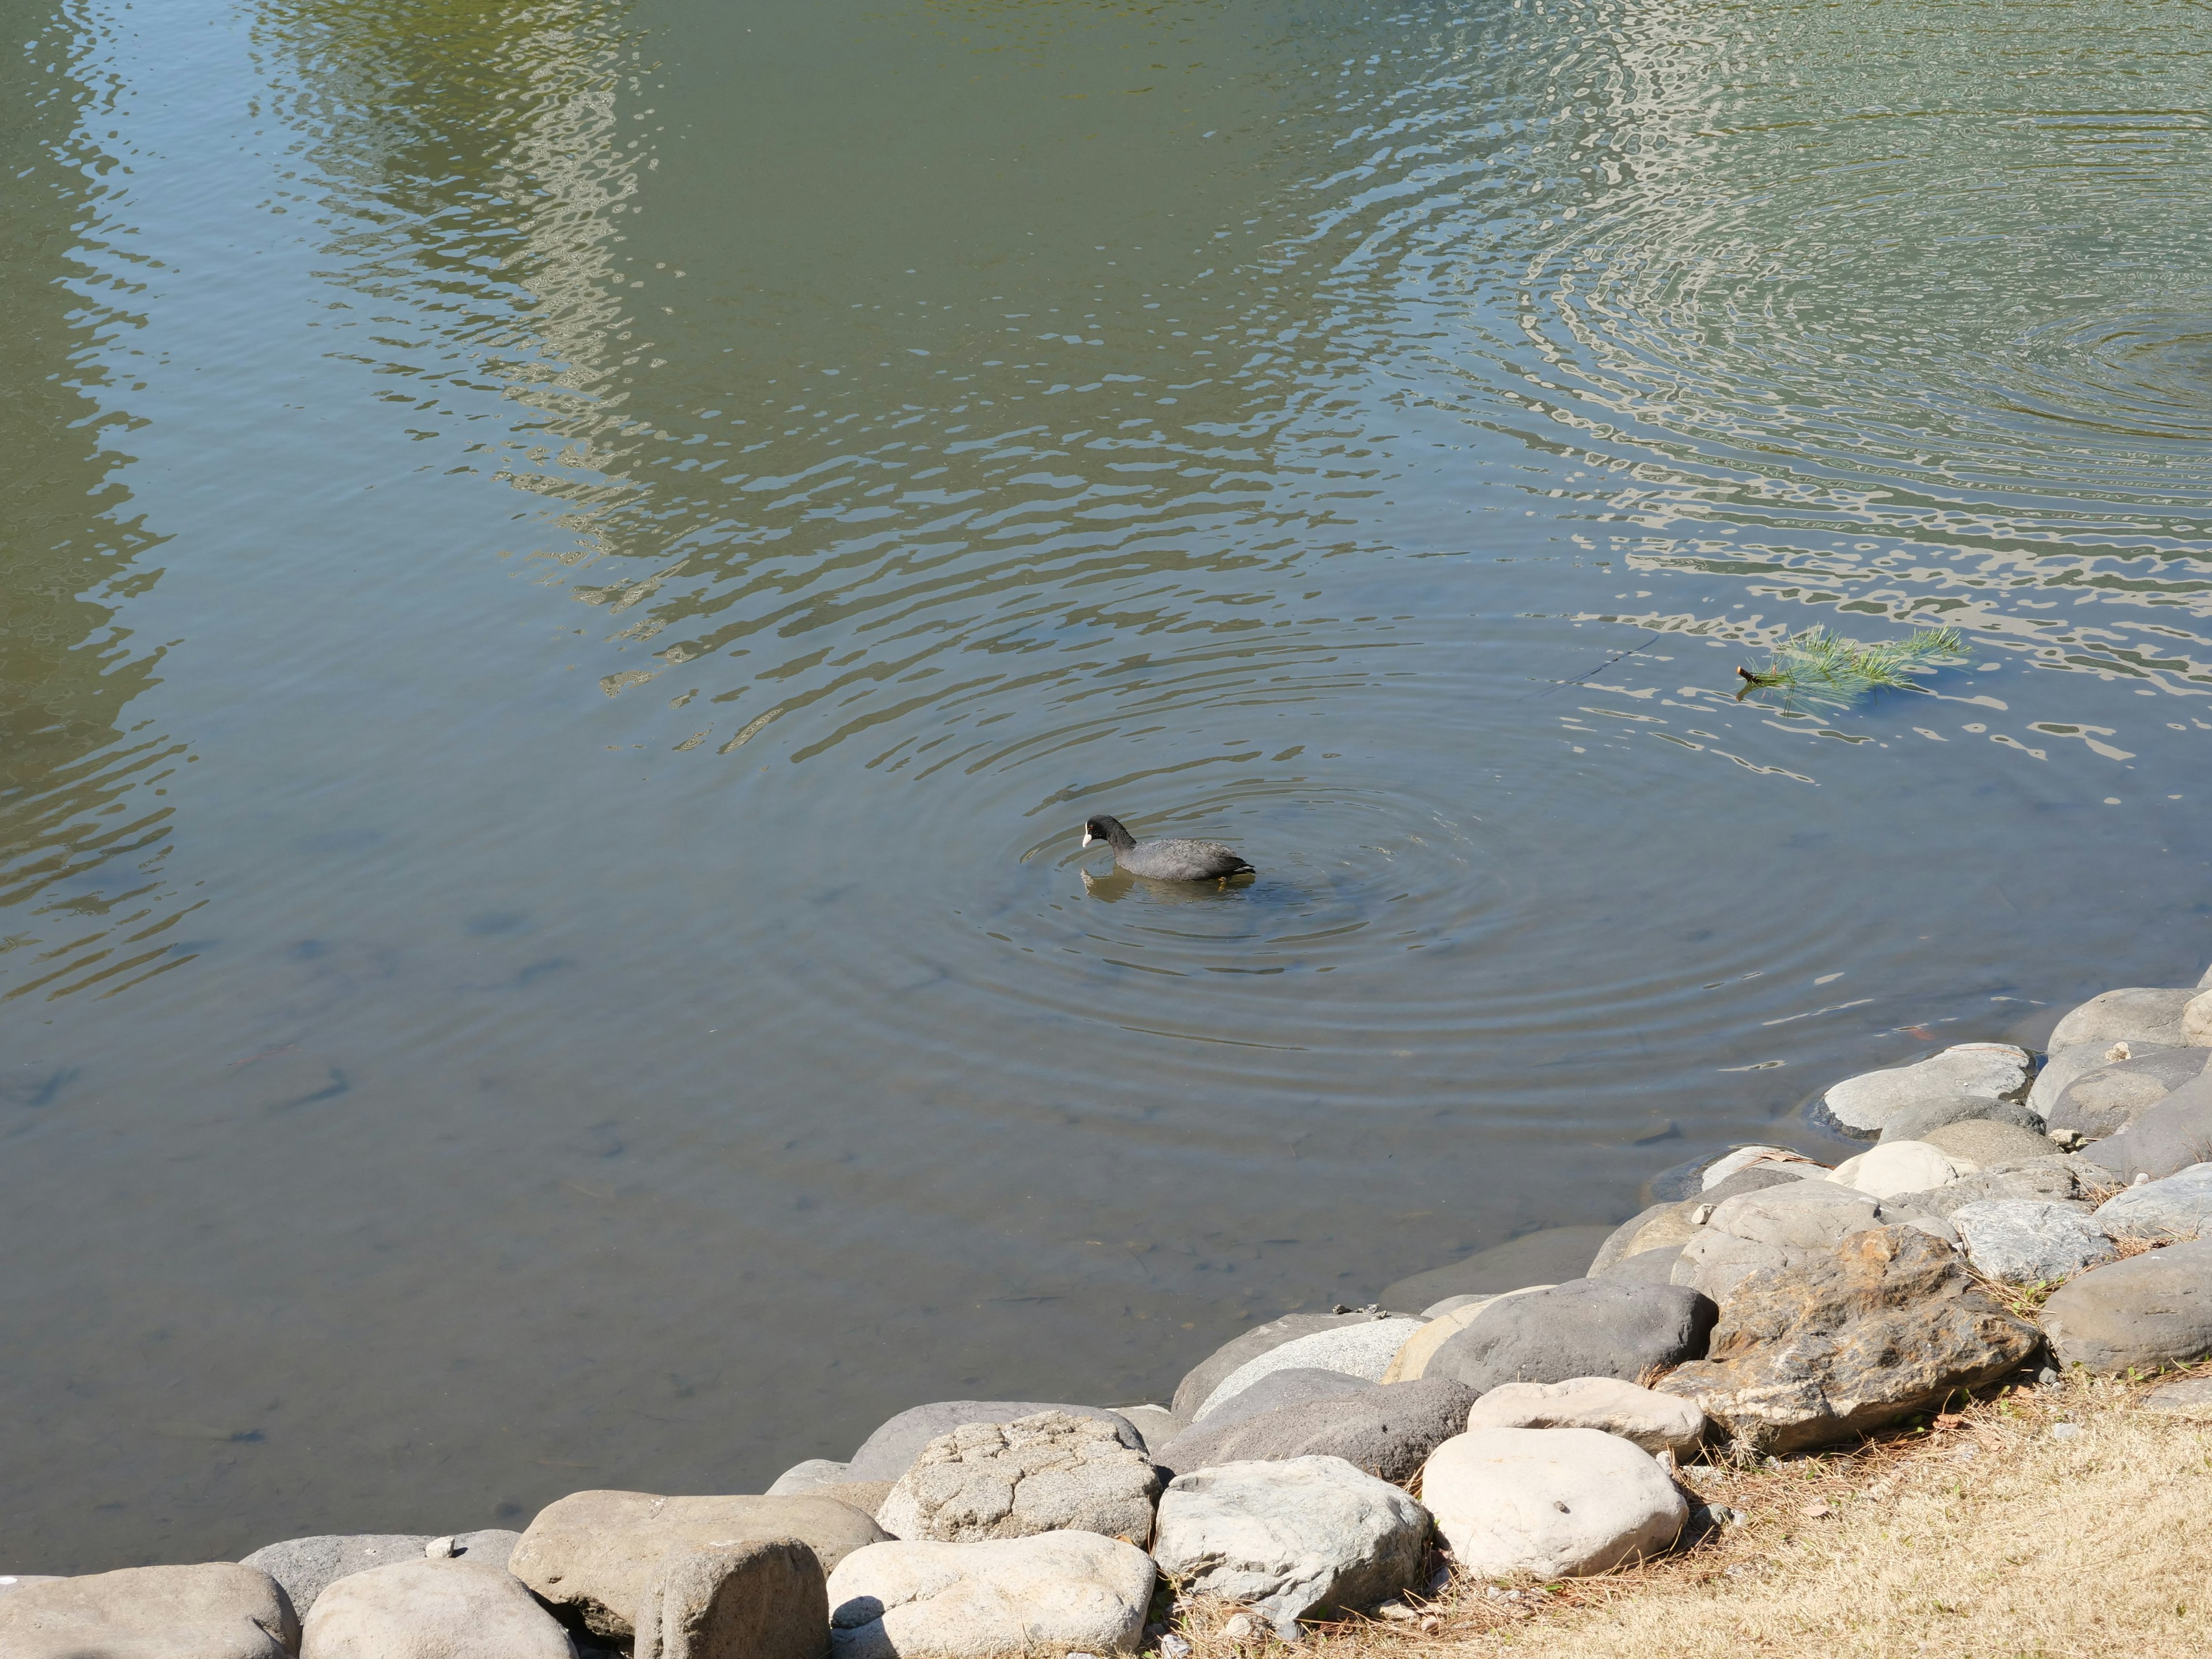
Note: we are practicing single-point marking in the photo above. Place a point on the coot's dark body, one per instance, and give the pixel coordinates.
(1165, 859)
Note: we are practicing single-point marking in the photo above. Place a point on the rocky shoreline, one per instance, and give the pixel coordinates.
(1543, 1410)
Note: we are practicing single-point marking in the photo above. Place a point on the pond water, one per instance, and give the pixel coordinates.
(573, 571)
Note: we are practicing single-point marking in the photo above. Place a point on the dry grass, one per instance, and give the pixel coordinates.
(1981, 1536)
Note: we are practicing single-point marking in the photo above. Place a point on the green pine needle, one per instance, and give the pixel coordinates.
(1824, 667)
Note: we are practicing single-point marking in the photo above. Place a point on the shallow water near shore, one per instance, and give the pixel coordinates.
(572, 572)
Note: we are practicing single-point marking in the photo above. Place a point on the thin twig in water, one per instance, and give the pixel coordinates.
(1656, 634)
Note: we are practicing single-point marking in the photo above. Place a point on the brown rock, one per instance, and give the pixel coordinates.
(1886, 1324)
(597, 1551)
(218, 1610)
(764, 1600)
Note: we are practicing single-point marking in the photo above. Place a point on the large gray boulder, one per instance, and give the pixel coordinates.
(1293, 1387)
(1015, 1598)
(1656, 1227)
(431, 1609)
(1645, 1266)
(1657, 1422)
(1864, 1105)
(1387, 1431)
(1290, 1539)
(1363, 1351)
(2136, 1014)
(1411, 1362)
(2146, 1311)
(765, 1600)
(2061, 1067)
(2178, 1207)
(1584, 1327)
(2104, 1098)
(1199, 1383)
(304, 1566)
(889, 1452)
(1049, 1472)
(2026, 1243)
(1885, 1324)
(1550, 1503)
(217, 1610)
(1538, 1258)
(596, 1551)
(2165, 1140)
(1914, 1122)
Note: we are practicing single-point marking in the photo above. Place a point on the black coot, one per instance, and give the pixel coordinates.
(1166, 859)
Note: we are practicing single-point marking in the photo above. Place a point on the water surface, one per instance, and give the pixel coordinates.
(574, 570)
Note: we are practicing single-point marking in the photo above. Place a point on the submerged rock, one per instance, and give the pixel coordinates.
(1885, 1324)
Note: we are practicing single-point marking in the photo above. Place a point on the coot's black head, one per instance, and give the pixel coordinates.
(1109, 830)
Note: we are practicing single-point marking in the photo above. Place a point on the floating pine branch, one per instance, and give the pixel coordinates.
(1824, 667)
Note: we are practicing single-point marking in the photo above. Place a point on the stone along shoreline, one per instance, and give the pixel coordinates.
(1536, 1411)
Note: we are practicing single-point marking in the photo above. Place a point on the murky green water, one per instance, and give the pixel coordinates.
(571, 571)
